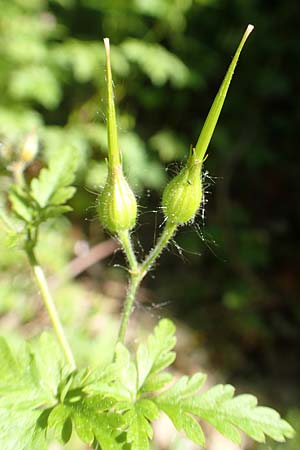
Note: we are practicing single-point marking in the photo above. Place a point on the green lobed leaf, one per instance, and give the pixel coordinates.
(20, 384)
(94, 416)
(49, 361)
(226, 413)
(48, 192)
(93, 419)
(156, 354)
(117, 380)
(28, 384)
(138, 418)
(21, 429)
(52, 187)
(54, 211)
(12, 228)
(172, 402)
(60, 422)
(127, 377)
(114, 380)
(104, 405)
(21, 203)
(118, 416)
(5, 221)
(157, 381)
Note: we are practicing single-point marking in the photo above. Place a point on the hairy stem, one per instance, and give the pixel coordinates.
(51, 309)
(134, 283)
(166, 235)
(139, 271)
(124, 238)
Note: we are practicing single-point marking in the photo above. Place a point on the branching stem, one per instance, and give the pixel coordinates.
(50, 306)
(124, 238)
(167, 234)
(139, 271)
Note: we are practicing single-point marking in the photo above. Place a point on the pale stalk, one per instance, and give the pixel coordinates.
(51, 309)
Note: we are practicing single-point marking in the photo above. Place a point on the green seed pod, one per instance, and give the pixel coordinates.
(182, 196)
(117, 207)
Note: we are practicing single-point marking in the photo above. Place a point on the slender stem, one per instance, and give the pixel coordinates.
(124, 238)
(132, 288)
(165, 237)
(138, 271)
(51, 309)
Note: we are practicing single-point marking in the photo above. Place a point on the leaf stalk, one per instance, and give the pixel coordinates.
(50, 307)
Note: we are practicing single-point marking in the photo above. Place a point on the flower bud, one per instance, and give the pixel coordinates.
(182, 196)
(117, 207)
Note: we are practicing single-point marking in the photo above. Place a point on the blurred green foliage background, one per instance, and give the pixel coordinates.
(241, 297)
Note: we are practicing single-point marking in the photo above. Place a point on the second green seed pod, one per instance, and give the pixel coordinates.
(182, 196)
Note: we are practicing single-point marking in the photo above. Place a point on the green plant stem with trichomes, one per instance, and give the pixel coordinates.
(125, 240)
(138, 271)
(134, 282)
(50, 306)
(166, 235)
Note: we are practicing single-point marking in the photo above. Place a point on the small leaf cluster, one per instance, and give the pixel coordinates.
(44, 198)
(113, 408)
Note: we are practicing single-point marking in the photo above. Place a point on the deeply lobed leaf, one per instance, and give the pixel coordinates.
(21, 204)
(155, 355)
(138, 427)
(28, 385)
(52, 187)
(110, 406)
(226, 413)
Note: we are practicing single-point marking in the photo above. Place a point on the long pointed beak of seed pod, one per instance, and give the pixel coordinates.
(117, 207)
(216, 108)
(112, 134)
